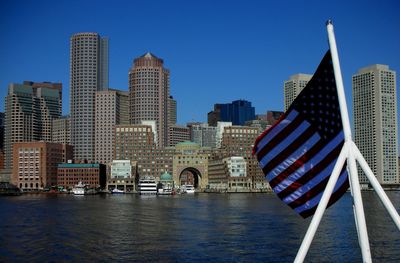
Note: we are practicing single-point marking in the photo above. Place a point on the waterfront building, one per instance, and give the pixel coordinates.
(190, 165)
(61, 131)
(88, 74)
(91, 174)
(30, 109)
(149, 89)
(136, 143)
(237, 112)
(111, 109)
(220, 131)
(203, 134)
(177, 134)
(293, 87)
(375, 121)
(229, 174)
(35, 164)
(239, 141)
(122, 176)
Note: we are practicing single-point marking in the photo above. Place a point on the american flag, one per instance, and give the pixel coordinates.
(298, 153)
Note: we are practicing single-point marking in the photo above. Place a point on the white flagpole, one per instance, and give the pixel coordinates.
(353, 175)
(305, 245)
(377, 187)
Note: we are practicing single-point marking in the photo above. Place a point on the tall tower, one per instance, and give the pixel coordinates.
(30, 110)
(111, 109)
(375, 121)
(149, 94)
(293, 86)
(88, 74)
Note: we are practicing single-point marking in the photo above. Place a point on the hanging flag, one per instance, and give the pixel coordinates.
(298, 153)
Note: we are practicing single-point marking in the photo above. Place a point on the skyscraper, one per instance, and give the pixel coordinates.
(149, 94)
(375, 121)
(111, 109)
(61, 132)
(88, 74)
(30, 111)
(293, 86)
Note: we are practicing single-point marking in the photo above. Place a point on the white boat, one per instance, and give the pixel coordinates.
(147, 186)
(79, 189)
(188, 188)
(117, 191)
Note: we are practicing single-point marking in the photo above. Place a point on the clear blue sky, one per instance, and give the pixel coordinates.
(217, 51)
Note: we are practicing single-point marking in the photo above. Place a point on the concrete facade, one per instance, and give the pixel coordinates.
(88, 70)
(375, 121)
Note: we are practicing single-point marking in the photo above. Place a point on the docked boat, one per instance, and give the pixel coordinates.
(117, 191)
(79, 189)
(83, 189)
(147, 186)
(188, 188)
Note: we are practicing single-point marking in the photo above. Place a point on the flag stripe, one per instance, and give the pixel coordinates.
(309, 160)
(289, 160)
(311, 184)
(335, 196)
(314, 191)
(270, 133)
(315, 200)
(276, 155)
(289, 127)
(310, 174)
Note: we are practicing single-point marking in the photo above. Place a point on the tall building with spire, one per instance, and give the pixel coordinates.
(293, 87)
(88, 74)
(149, 89)
(375, 121)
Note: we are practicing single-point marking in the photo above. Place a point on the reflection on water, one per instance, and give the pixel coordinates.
(187, 228)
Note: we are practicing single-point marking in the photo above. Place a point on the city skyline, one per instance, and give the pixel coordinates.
(235, 51)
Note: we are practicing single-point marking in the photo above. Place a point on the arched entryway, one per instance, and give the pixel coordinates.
(191, 176)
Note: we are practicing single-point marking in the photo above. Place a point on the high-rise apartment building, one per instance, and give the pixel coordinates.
(375, 121)
(111, 109)
(88, 74)
(293, 87)
(61, 132)
(30, 111)
(149, 89)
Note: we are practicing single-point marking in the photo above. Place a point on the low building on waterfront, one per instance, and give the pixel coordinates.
(122, 175)
(35, 164)
(229, 175)
(91, 174)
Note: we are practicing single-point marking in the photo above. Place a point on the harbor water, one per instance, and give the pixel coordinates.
(185, 228)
